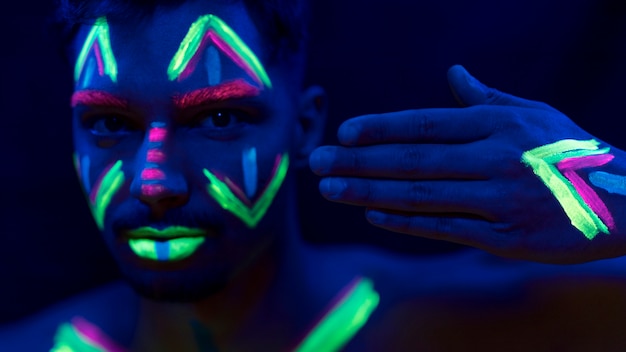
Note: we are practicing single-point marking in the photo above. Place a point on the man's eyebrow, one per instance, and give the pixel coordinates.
(97, 98)
(236, 89)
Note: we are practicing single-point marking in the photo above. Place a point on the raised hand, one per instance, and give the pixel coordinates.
(501, 173)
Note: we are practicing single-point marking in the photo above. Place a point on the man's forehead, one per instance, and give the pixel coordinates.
(146, 44)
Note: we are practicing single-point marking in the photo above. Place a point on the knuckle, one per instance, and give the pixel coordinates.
(418, 195)
(443, 225)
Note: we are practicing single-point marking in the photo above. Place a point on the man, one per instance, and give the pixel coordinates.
(189, 118)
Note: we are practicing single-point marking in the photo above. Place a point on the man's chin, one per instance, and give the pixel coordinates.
(176, 287)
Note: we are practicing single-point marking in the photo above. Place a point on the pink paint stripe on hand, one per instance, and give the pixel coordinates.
(591, 198)
(584, 162)
(93, 335)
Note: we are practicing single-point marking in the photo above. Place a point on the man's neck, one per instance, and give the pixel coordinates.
(268, 302)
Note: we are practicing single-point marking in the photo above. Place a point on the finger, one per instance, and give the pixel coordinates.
(469, 91)
(472, 232)
(420, 126)
(469, 197)
(406, 161)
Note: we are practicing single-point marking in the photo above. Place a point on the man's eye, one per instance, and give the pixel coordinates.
(110, 125)
(220, 119)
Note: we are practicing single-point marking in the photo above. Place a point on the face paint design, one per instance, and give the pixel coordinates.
(555, 165)
(345, 317)
(103, 191)
(248, 161)
(231, 198)
(169, 244)
(98, 41)
(152, 175)
(81, 335)
(611, 183)
(211, 29)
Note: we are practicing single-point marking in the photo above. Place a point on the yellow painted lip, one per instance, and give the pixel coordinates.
(167, 233)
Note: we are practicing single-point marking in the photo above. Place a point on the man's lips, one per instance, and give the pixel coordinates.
(169, 244)
(167, 233)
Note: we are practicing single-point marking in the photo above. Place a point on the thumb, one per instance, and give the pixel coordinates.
(468, 91)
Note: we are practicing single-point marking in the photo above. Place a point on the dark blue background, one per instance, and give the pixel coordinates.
(371, 56)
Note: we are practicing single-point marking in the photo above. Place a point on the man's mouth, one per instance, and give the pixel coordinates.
(169, 244)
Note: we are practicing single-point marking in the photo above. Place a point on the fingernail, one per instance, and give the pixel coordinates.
(332, 187)
(471, 80)
(348, 133)
(320, 159)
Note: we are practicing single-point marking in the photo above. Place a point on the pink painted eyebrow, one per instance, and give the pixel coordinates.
(237, 89)
(97, 98)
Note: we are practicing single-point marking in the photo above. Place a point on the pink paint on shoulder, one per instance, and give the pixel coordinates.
(92, 334)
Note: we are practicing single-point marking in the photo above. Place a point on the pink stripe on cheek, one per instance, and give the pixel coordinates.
(152, 190)
(155, 156)
(157, 134)
(152, 174)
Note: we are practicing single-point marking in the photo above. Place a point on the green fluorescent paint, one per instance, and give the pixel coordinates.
(100, 32)
(110, 184)
(192, 42)
(229, 201)
(166, 233)
(542, 160)
(67, 339)
(344, 320)
(179, 248)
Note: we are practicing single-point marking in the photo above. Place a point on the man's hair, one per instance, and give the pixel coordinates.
(284, 23)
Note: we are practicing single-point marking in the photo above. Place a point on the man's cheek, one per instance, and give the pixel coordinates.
(106, 186)
(247, 203)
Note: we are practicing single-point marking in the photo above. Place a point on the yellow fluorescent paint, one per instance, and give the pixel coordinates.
(178, 248)
(542, 160)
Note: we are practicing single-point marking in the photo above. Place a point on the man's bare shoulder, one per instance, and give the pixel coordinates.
(469, 297)
(100, 305)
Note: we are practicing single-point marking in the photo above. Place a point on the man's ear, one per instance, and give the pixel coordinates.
(312, 111)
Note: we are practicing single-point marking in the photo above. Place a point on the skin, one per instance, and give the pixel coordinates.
(458, 175)
(227, 280)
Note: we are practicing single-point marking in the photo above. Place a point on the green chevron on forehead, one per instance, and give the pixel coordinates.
(99, 41)
(212, 28)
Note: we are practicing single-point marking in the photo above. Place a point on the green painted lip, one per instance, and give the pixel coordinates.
(170, 250)
(170, 232)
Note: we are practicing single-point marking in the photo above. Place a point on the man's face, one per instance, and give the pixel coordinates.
(183, 133)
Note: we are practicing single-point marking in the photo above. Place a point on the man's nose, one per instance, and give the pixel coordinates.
(158, 181)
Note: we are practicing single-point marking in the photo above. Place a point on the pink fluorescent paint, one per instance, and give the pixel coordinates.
(236, 89)
(584, 162)
(230, 52)
(157, 134)
(155, 156)
(152, 174)
(97, 98)
(96, 47)
(569, 166)
(94, 335)
(152, 190)
(96, 187)
(591, 198)
(237, 191)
